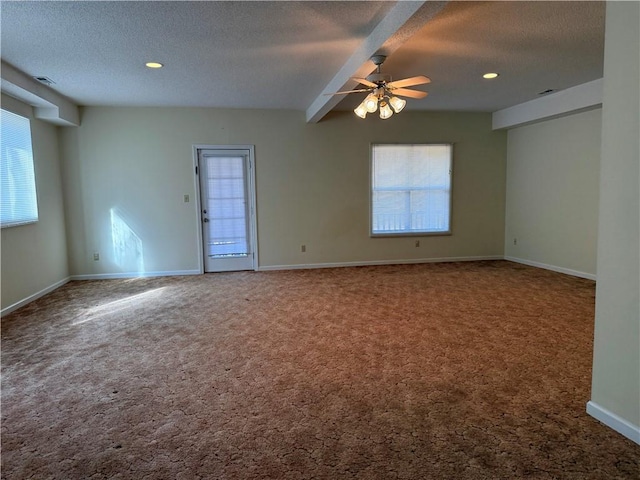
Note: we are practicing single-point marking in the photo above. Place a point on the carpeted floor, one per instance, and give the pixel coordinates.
(477, 370)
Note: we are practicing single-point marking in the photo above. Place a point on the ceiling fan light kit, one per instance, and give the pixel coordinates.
(383, 93)
(371, 102)
(385, 110)
(361, 110)
(397, 104)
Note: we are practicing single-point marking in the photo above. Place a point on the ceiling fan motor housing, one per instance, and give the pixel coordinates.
(379, 78)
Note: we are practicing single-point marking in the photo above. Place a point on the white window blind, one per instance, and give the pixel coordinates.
(17, 178)
(410, 189)
(227, 206)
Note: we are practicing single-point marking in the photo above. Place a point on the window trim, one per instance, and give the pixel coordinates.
(448, 232)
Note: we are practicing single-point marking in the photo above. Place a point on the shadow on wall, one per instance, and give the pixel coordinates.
(128, 253)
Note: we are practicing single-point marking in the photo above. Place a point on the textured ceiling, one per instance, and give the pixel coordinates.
(535, 46)
(282, 54)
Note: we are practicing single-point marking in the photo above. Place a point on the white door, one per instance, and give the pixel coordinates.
(226, 193)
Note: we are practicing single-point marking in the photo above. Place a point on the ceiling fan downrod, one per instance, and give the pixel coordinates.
(379, 78)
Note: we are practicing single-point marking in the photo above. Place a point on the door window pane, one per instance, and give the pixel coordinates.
(226, 206)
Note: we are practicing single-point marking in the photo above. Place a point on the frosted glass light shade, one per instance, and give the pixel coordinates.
(385, 110)
(371, 103)
(361, 110)
(397, 103)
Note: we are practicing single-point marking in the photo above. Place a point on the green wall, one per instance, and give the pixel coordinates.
(312, 185)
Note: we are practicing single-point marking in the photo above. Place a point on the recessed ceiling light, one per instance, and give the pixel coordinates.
(154, 65)
(490, 75)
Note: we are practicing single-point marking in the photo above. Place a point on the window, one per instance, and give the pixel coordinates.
(17, 178)
(410, 189)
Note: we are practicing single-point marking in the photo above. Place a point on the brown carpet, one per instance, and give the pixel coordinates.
(476, 370)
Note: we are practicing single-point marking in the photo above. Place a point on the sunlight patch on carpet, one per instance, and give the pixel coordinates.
(134, 301)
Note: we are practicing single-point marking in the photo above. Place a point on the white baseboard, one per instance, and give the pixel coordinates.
(107, 276)
(377, 262)
(567, 271)
(613, 421)
(33, 297)
(111, 276)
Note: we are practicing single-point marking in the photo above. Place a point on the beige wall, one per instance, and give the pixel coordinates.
(552, 193)
(312, 184)
(34, 256)
(616, 365)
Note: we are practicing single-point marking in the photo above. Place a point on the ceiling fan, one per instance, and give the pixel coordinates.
(384, 93)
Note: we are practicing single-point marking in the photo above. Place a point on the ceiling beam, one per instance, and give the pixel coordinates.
(571, 100)
(403, 20)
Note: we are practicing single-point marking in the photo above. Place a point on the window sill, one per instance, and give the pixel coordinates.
(410, 234)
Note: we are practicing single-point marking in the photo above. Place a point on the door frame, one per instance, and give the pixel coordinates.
(251, 187)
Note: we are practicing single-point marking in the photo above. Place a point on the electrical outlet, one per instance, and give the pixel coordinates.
(303, 248)
(515, 241)
(417, 243)
(186, 199)
(96, 257)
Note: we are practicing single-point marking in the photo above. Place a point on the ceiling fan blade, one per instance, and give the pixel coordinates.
(350, 91)
(405, 92)
(410, 82)
(364, 81)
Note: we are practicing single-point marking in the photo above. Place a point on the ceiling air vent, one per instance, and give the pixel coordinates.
(45, 80)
